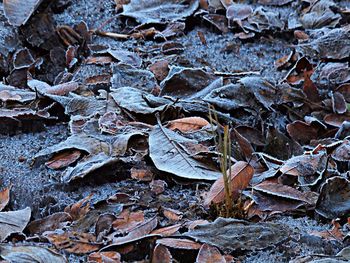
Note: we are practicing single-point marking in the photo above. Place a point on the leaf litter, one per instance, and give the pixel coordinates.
(111, 113)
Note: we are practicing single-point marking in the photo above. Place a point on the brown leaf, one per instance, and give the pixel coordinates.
(338, 103)
(302, 132)
(105, 257)
(144, 175)
(158, 186)
(127, 220)
(342, 152)
(4, 197)
(63, 159)
(209, 254)
(303, 165)
(167, 231)
(49, 223)
(138, 232)
(73, 242)
(79, 209)
(176, 243)
(189, 124)
(335, 233)
(241, 174)
(173, 215)
(285, 191)
(160, 69)
(336, 120)
(161, 255)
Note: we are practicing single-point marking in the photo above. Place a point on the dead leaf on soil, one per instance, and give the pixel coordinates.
(13, 222)
(4, 197)
(18, 12)
(241, 174)
(188, 124)
(209, 254)
(27, 253)
(156, 11)
(161, 255)
(73, 242)
(177, 243)
(105, 257)
(257, 236)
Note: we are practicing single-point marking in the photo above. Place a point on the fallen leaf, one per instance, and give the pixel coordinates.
(105, 257)
(63, 159)
(257, 236)
(13, 222)
(127, 221)
(73, 242)
(157, 11)
(241, 174)
(334, 199)
(172, 214)
(188, 124)
(138, 232)
(209, 254)
(177, 243)
(161, 255)
(49, 223)
(79, 209)
(288, 192)
(167, 231)
(170, 156)
(18, 12)
(27, 253)
(4, 197)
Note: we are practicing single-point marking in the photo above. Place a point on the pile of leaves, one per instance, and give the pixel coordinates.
(149, 112)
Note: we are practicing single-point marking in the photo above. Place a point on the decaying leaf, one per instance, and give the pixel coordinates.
(256, 236)
(127, 220)
(28, 253)
(13, 222)
(241, 174)
(209, 254)
(334, 198)
(169, 155)
(161, 255)
(18, 12)
(287, 192)
(4, 197)
(156, 11)
(137, 233)
(188, 124)
(63, 159)
(105, 257)
(177, 243)
(73, 242)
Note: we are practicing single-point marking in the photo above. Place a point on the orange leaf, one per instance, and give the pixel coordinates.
(161, 255)
(105, 257)
(63, 159)
(209, 254)
(189, 124)
(241, 174)
(4, 197)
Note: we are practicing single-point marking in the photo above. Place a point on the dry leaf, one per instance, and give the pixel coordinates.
(241, 174)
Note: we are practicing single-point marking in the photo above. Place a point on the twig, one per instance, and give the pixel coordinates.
(111, 35)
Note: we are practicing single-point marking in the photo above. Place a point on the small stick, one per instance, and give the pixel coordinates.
(234, 74)
(111, 35)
